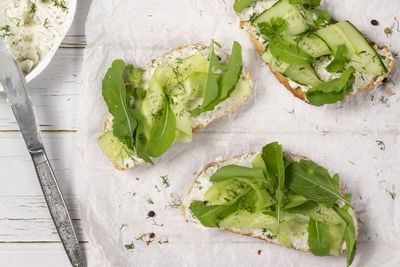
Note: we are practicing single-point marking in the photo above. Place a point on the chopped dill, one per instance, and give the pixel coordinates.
(175, 201)
(130, 246)
(165, 181)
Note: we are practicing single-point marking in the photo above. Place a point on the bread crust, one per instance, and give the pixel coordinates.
(108, 122)
(298, 92)
(236, 231)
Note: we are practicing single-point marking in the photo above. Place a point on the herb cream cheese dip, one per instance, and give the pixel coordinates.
(31, 28)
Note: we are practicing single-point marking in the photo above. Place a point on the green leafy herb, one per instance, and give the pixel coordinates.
(350, 236)
(234, 171)
(272, 154)
(313, 182)
(165, 181)
(240, 5)
(323, 17)
(61, 4)
(332, 91)
(273, 28)
(163, 133)
(318, 238)
(216, 92)
(289, 53)
(140, 138)
(341, 58)
(130, 246)
(298, 204)
(209, 216)
(175, 201)
(5, 31)
(306, 3)
(46, 24)
(115, 96)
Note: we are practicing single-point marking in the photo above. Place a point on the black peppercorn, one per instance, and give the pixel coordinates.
(151, 214)
(374, 22)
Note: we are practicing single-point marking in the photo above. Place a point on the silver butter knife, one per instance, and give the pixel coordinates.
(14, 85)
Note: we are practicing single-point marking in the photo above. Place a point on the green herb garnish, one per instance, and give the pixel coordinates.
(341, 58)
(332, 91)
(240, 5)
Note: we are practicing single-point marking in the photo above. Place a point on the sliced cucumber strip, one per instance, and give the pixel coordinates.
(114, 149)
(311, 44)
(302, 74)
(363, 57)
(276, 64)
(296, 22)
(244, 219)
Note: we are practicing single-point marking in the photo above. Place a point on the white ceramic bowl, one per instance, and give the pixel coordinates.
(46, 60)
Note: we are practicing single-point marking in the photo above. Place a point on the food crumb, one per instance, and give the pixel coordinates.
(259, 252)
(137, 178)
(389, 91)
(374, 22)
(152, 235)
(388, 30)
(151, 214)
(147, 243)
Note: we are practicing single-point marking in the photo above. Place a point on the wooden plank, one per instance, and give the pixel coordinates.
(54, 94)
(18, 175)
(35, 254)
(26, 219)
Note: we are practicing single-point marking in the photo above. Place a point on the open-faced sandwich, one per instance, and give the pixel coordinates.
(318, 60)
(279, 197)
(176, 94)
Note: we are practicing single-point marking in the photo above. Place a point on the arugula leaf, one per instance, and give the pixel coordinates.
(272, 154)
(240, 5)
(273, 28)
(306, 3)
(323, 17)
(234, 171)
(332, 91)
(163, 133)
(209, 216)
(115, 96)
(232, 74)
(350, 236)
(289, 53)
(312, 181)
(133, 75)
(141, 139)
(216, 92)
(298, 204)
(340, 60)
(318, 238)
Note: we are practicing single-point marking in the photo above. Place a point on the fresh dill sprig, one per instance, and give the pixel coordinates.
(5, 31)
(61, 4)
(175, 201)
(165, 181)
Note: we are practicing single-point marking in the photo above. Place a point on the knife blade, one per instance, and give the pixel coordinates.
(14, 85)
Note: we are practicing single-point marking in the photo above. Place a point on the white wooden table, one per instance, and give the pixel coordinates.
(27, 234)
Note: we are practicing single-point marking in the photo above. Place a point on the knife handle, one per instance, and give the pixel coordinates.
(58, 209)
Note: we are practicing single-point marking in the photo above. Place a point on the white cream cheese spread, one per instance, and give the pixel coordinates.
(31, 28)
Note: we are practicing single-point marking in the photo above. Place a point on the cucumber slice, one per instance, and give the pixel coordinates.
(296, 22)
(114, 149)
(302, 74)
(311, 44)
(363, 57)
(276, 64)
(247, 220)
(224, 191)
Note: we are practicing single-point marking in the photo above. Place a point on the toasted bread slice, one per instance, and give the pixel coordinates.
(202, 183)
(199, 121)
(298, 90)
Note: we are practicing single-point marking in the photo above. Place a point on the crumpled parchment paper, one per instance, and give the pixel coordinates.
(342, 137)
